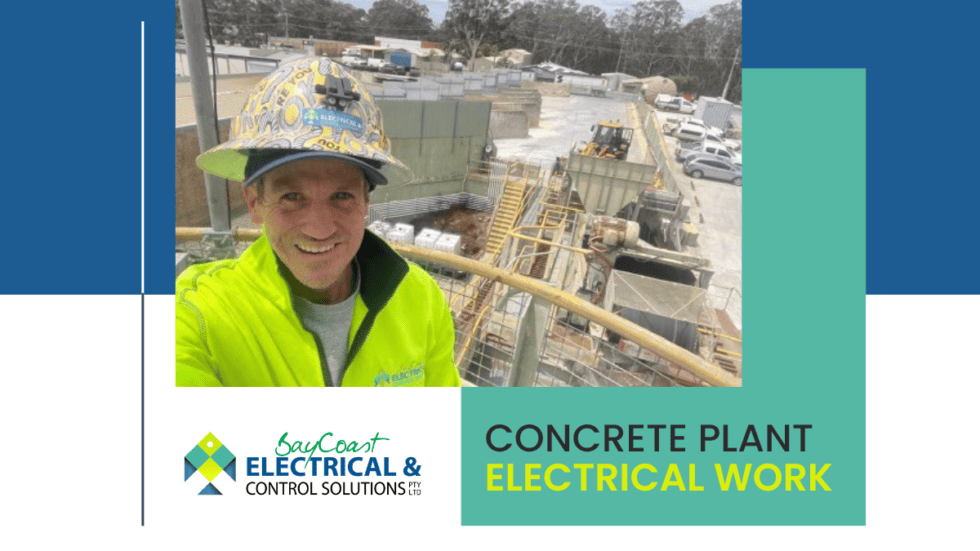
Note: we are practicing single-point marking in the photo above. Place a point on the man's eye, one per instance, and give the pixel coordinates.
(343, 195)
(290, 197)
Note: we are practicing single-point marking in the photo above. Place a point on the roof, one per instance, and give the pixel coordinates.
(556, 68)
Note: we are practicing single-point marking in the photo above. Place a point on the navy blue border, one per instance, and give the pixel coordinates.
(71, 178)
(922, 197)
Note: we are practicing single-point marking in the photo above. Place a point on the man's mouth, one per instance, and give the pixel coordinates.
(309, 249)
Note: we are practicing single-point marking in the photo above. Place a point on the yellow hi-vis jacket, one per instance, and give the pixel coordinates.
(236, 325)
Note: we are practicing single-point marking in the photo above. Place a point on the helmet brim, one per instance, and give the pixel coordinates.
(231, 164)
(254, 173)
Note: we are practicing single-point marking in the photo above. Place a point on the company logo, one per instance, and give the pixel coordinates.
(333, 119)
(411, 377)
(208, 462)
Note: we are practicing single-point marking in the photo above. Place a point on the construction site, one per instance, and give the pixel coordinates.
(572, 249)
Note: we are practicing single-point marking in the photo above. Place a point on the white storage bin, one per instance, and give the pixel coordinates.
(450, 243)
(379, 228)
(427, 238)
(402, 233)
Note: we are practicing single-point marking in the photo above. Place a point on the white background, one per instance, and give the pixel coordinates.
(71, 404)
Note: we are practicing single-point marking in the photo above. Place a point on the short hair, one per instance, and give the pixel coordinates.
(260, 187)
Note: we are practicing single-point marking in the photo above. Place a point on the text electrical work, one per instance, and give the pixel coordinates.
(644, 476)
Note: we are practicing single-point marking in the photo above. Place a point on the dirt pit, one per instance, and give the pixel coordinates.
(471, 225)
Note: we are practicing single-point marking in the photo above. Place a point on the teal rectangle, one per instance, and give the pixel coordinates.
(804, 347)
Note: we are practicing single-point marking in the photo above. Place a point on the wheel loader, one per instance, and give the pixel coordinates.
(610, 140)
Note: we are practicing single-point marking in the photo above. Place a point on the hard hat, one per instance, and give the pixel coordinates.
(309, 108)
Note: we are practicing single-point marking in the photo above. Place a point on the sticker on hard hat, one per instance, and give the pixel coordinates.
(333, 119)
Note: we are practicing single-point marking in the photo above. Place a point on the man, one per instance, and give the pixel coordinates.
(316, 301)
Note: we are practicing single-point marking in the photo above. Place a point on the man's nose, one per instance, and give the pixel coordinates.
(320, 221)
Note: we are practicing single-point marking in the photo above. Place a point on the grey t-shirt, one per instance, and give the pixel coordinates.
(331, 324)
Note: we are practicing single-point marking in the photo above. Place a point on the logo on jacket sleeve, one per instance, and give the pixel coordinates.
(209, 462)
(409, 376)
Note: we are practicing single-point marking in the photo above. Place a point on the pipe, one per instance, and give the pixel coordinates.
(704, 331)
(546, 242)
(241, 234)
(192, 18)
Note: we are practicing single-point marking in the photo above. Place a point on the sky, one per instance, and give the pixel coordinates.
(437, 8)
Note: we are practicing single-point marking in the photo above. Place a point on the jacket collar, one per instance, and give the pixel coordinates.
(381, 270)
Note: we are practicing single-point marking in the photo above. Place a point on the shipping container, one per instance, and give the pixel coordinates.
(715, 112)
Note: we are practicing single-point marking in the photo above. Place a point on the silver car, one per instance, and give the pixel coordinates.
(708, 148)
(700, 166)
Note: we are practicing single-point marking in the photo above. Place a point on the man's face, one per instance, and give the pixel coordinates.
(313, 211)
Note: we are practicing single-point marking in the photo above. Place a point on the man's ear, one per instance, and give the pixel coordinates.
(251, 195)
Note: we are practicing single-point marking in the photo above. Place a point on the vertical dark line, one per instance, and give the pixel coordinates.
(142, 409)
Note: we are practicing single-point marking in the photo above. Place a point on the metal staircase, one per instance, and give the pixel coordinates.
(506, 214)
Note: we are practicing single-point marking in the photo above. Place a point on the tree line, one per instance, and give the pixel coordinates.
(648, 38)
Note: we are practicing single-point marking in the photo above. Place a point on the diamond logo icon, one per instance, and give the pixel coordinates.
(209, 461)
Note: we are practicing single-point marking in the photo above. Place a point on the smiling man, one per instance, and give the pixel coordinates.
(316, 301)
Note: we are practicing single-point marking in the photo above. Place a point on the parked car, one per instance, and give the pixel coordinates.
(355, 62)
(689, 132)
(695, 122)
(661, 100)
(700, 166)
(680, 105)
(715, 135)
(391, 69)
(682, 154)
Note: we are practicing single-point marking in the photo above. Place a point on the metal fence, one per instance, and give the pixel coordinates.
(451, 87)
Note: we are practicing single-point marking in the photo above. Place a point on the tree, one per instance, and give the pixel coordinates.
(521, 30)
(563, 32)
(399, 19)
(472, 24)
(594, 43)
(327, 19)
(648, 31)
(712, 51)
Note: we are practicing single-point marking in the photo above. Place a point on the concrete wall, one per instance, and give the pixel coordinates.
(437, 65)
(192, 203)
(437, 140)
(529, 99)
(549, 89)
(508, 123)
(530, 108)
